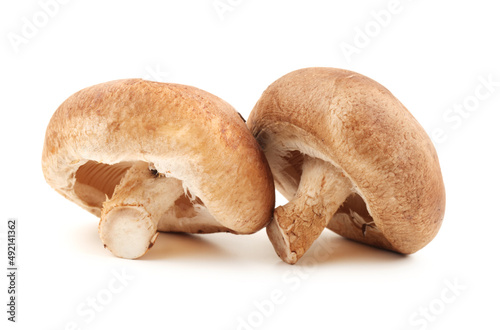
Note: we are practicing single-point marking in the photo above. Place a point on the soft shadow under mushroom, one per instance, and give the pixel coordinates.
(171, 245)
(335, 249)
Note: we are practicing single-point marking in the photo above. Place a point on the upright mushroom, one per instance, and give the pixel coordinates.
(147, 156)
(348, 156)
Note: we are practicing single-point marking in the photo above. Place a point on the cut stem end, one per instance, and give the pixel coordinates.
(129, 220)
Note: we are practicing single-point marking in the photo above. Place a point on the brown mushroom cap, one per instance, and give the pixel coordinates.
(180, 133)
(397, 198)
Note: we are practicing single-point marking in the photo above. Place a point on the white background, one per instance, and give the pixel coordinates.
(433, 56)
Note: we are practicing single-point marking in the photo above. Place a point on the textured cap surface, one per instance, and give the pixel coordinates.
(96, 135)
(357, 125)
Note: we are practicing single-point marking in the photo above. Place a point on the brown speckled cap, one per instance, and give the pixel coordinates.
(348, 156)
(148, 156)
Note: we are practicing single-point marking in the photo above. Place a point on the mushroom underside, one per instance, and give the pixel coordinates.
(95, 183)
(352, 219)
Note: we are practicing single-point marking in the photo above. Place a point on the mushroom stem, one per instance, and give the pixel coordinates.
(129, 220)
(295, 226)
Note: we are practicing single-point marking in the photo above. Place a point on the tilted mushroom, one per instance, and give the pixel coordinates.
(148, 156)
(348, 156)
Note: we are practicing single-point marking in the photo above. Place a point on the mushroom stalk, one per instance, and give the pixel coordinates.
(129, 220)
(295, 226)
